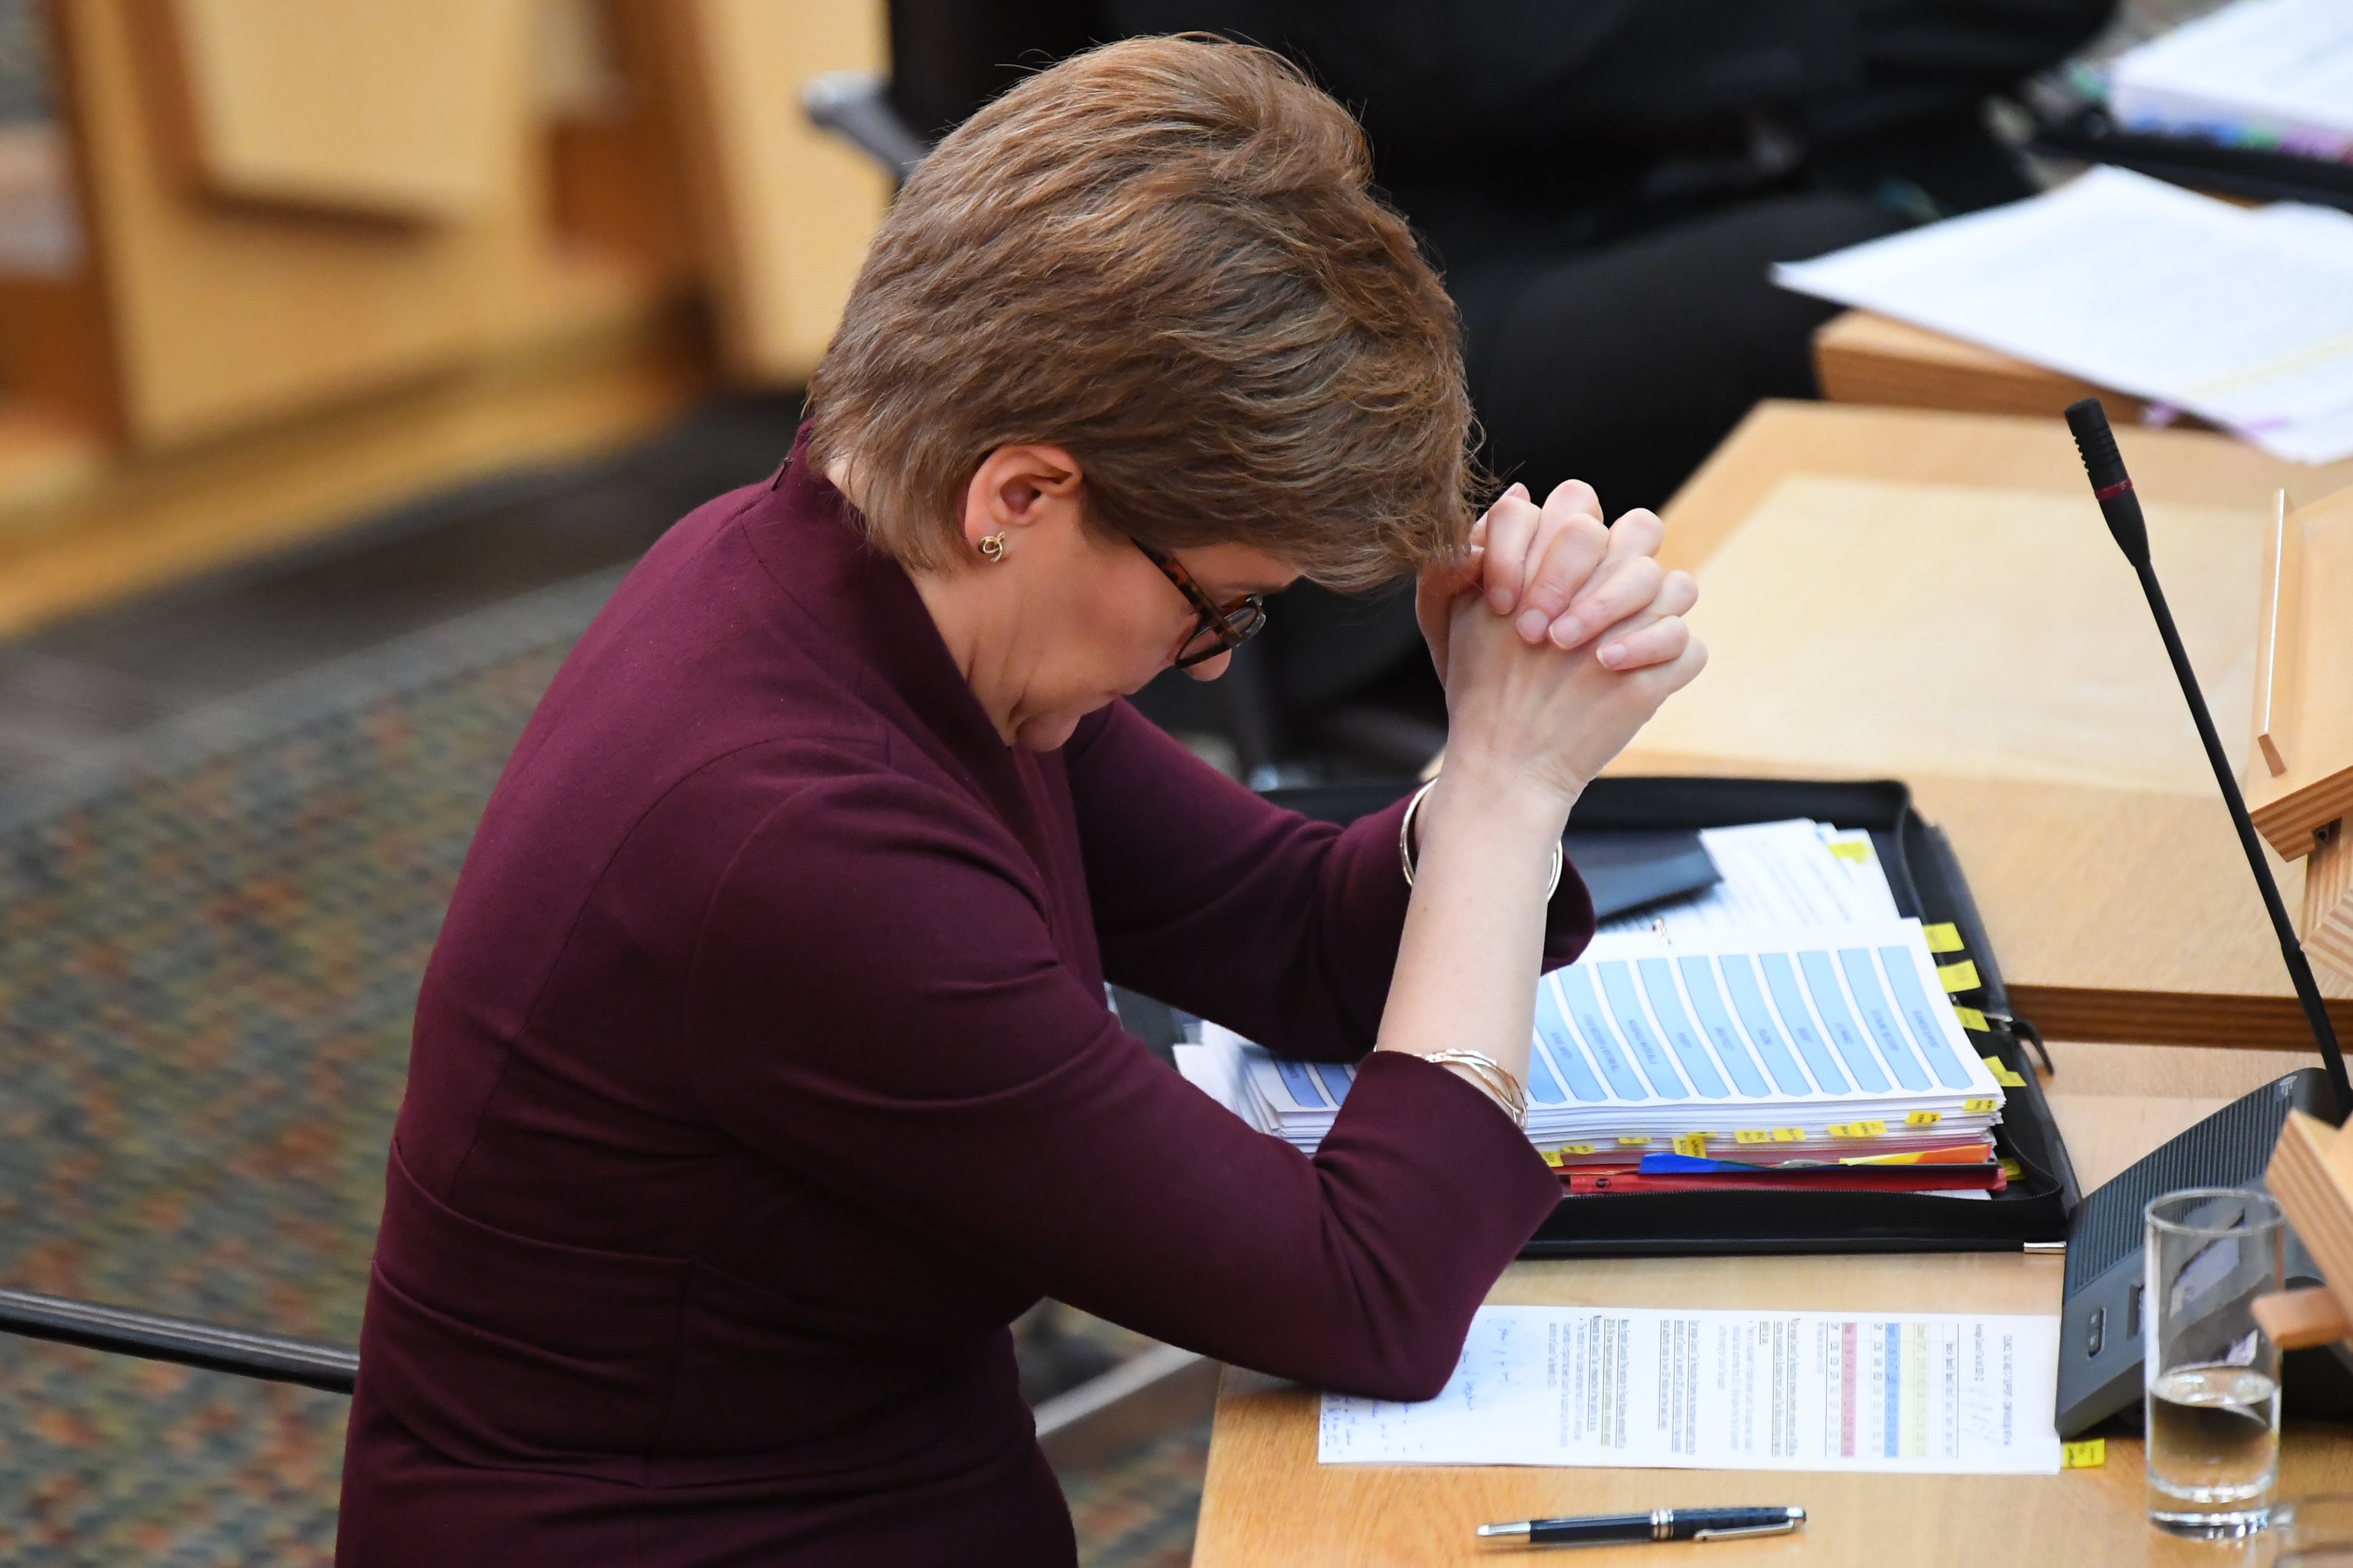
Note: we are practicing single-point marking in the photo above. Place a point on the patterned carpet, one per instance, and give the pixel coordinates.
(210, 942)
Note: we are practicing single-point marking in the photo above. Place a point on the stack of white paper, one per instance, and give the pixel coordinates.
(1802, 1046)
(2271, 74)
(2242, 317)
(1777, 875)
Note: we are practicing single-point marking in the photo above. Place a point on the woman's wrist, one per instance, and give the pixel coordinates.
(1515, 805)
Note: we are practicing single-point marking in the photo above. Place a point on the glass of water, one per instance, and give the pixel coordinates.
(2212, 1375)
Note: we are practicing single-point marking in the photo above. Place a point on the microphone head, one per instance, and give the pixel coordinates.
(2097, 442)
(2111, 486)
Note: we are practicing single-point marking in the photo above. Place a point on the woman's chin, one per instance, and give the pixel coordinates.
(1049, 731)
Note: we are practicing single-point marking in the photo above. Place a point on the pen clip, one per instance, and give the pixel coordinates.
(1783, 1528)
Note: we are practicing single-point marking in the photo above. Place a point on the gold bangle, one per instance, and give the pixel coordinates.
(1499, 1085)
(1405, 843)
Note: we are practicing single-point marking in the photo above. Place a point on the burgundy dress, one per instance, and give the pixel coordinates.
(763, 1074)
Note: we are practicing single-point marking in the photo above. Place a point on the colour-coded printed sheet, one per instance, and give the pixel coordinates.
(1642, 1388)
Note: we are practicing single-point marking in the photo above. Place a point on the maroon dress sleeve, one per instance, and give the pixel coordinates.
(1208, 898)
(877, 1001)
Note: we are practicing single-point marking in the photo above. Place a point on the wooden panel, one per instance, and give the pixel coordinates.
(2316, 787)
(137, 524)
(224, 316)
(411, 109)
(1268, 1502)
(1861, 357)
(54, 347)
(2327, 928)
(618, 170)
(785, 211)
(2114, 890)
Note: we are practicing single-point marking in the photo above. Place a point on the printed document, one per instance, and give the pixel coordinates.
(2242, 317)
(1634, 1388)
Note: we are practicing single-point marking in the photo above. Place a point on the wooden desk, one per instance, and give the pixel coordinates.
(1889, 592)
(1267, 1501)
(1863, 357)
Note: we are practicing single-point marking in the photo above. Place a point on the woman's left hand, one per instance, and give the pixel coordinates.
(1564, 576)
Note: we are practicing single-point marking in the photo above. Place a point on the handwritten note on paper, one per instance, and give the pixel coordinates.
(1634, 1388)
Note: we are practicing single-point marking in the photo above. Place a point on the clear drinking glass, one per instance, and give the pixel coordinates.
(2311, 1533)
(2210, 1373)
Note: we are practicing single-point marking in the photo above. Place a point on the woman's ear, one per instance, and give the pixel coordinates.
(1016, 488)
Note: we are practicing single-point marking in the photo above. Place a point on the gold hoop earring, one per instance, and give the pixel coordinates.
(992, 549)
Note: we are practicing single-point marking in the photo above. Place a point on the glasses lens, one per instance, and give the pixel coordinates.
(1237, 626)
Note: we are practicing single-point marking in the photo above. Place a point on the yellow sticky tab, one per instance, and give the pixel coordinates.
(1961, 977)
(2013, 1170)
(1577, 1148)
(2089, 1454)
(1857, 1129)
(2001, 1073)
(1692, 1143)
(1972, 1019)
(1788, 1135)
(1854, 849)
(1633, 1143)
(1942, 937)
(1552, 1158)
(1924, 1118)
(1752, 1138)
(1977, 1107)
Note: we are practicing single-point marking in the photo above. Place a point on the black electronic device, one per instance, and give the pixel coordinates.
(1629, 871)
(2100, 1323)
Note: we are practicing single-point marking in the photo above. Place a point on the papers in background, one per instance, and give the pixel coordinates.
(2273, 74)
(1633, 1388)
(1778, 874)
(1807, 1045)
(2244, 317)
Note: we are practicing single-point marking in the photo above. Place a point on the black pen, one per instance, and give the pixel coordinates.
(1660, 1524)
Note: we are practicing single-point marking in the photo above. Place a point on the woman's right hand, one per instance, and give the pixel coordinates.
(1537, 714)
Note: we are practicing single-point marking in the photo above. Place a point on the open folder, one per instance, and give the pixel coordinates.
(1718, 1039)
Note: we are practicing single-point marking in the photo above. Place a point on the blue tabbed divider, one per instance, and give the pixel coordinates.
(1922, 1017)
(1667, 1006)
(1879, 1018)
(1740, 981)
(1791, 999)
(1626, 1011)
(1822, 985)
(1593, 1025)
(1300, 1082)
(1556, 1052)
(1699, 979)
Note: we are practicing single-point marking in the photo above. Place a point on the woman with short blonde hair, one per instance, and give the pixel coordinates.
(762, 1074)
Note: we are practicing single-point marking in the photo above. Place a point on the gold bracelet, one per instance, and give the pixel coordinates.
(1499, 1085)
(1405, 843)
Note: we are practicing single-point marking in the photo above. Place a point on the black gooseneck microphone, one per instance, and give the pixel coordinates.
(2112, 489)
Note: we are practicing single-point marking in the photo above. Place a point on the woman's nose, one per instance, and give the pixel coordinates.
(1211, 669)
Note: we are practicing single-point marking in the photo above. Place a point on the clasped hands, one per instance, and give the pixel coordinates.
(1557, 637)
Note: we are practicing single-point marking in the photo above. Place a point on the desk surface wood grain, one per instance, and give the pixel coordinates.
(1268, 1502)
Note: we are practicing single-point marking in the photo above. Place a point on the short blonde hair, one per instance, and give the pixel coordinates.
(1163, 256)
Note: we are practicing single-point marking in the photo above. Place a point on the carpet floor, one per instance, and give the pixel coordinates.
(211, 936)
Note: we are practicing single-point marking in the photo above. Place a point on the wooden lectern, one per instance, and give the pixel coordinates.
(2301, 789)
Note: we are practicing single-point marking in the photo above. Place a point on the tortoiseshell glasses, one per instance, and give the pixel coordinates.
(1220, 629)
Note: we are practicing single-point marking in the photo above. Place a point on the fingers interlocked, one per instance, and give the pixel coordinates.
(1565, 577)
